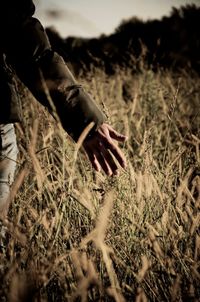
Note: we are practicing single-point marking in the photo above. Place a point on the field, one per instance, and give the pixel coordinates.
(78, 235)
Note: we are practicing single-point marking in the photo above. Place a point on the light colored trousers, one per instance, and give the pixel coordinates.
(8, 157)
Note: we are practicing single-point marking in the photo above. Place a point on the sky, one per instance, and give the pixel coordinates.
(91, 18)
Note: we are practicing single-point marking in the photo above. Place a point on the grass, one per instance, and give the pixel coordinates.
(77, 235)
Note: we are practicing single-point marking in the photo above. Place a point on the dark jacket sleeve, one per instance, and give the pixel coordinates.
(38, 66)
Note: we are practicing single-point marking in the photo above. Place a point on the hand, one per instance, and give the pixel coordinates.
(101, 148)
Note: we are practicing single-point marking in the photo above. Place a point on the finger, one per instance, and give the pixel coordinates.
(102, 162)
(93, 159)
(98, 161)
(116, 135)
(115, 150)
(109, 160)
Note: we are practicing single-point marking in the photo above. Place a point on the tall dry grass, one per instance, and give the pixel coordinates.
(77, 235)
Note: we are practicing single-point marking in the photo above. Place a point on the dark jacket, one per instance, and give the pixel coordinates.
(25, 48)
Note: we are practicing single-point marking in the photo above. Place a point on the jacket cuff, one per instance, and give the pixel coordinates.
(77, 110)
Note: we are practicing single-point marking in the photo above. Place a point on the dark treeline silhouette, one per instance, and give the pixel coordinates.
(172, 42)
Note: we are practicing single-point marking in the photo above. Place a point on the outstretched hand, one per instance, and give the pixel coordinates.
(101, 148)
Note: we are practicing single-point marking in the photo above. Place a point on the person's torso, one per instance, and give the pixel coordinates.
(12, 14)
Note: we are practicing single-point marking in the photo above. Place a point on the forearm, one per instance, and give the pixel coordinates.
(73, 104)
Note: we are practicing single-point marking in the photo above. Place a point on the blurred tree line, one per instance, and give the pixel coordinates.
(172, 42)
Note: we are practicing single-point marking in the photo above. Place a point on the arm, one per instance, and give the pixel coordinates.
(30, 53)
